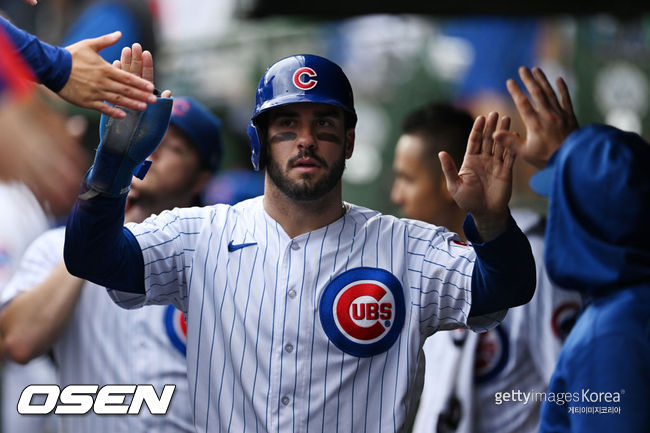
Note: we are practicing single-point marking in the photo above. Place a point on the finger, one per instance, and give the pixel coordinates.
(475, 136)
(499, 150)
(509, 140)
(505, 123)
(147, 66)
(128, 79)
(551, 97)
(565, 97)
(125, 59)
(490, 127)
(122, 100)
(136, 59)
(166, 94)
(108, 110)
(535, 90)
(106, 40)
(117, 64)
(524, 107)
(133, 98)
(508, 159)
(450, 171)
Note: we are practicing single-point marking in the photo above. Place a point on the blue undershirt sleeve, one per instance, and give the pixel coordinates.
(50, 64)
(100, 249)
(504, 273)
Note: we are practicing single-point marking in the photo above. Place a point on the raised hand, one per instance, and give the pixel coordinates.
(92, 80)
(139, 63)
(483, 184)
(548, 121)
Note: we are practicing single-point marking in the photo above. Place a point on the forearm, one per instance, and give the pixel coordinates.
(32, 322)
(50, 64)
(504, 272)
(100, 249)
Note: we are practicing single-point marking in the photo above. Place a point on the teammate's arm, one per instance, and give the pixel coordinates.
(32, 321)
(79, 74)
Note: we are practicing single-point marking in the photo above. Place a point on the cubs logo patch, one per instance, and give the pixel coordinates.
(303, 78)
(176, 328)
(362, 311)
(492, 353)
(564, 317)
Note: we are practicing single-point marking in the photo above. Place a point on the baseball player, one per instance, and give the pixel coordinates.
(305, 313)
(465, 371)
(92, 339)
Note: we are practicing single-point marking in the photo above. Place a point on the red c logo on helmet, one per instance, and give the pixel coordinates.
(307, 83)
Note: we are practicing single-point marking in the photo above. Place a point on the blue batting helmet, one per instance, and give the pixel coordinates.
(299, 78)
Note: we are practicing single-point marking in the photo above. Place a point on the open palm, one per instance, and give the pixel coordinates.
(483, 184)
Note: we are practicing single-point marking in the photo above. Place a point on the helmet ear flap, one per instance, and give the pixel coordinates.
(256, 134)
(256, 145)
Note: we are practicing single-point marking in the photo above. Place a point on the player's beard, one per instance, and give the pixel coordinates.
(306, 189)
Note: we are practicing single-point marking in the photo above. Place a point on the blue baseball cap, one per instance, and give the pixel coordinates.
(597, 234)
(202, 127)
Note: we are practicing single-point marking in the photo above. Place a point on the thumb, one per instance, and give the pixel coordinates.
(107, 40)
(510, 140)
(450, 171)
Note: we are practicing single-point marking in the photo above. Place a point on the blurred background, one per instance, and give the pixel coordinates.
(398, 56)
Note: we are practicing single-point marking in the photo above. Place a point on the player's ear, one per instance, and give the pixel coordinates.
(349, 143)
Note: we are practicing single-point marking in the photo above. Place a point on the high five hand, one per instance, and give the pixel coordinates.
(483, 184)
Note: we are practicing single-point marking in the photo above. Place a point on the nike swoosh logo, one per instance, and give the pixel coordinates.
(234, 247)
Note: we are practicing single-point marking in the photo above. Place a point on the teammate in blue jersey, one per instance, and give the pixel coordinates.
(305, 313)
(597, 241)
(79, 74)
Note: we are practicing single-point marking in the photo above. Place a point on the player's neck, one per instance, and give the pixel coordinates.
(298, 217)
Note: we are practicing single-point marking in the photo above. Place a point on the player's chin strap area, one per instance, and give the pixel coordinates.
(124, 147)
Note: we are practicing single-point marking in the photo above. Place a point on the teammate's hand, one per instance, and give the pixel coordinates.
(92, 80)
(483, 185)
(548, 122)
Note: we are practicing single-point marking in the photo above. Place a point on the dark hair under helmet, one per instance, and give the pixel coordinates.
(295, 79)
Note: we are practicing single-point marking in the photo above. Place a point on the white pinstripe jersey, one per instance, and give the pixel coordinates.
(21, 221)
(519, 355)
(104, 344)
(262, 318)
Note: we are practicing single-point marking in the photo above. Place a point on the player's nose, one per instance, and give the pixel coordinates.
(306, 136)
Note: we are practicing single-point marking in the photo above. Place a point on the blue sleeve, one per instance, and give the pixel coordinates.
(504, 273)
(100, 249)
(50, 64)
